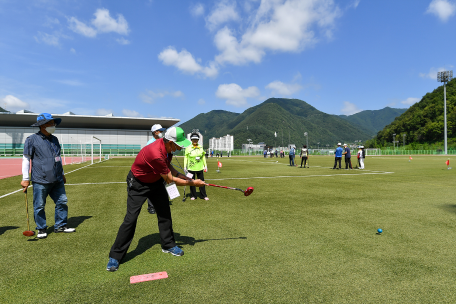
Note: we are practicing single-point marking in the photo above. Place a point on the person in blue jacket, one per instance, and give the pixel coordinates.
(47, 175)
(291, 155)
(347, 154)
(338, 155)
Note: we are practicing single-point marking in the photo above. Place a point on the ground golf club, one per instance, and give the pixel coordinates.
(246, 192)
(28, 232)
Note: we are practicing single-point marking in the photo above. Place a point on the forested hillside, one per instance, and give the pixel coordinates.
(423, 122)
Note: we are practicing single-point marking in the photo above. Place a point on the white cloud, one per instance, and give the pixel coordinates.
(201, 101)
(433, 72)
(106, 24)
(443, 9)
(51, 22)
(197, 10)
(123, 41)
(235, 95)
(47, 38)
(13, 104)
(151, 96)
(131, 113)
(355, 3)
(409, 101)
(283, 88)
(280, 26)
(103, 112)
(349, 108)
(186, 63)
(102, 23)
(72, 50)
(70, 82)
(224, 11)
(81, 28)
(275, 26)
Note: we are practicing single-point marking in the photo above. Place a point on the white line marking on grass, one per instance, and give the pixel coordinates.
(293, 176)
(110, 167)
(12, 192)
(102, 183)
(65, 174)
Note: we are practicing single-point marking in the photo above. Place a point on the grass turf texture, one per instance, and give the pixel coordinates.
(310, 238)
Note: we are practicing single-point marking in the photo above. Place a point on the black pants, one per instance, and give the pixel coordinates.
(338, 159)
(150, 206)
(137, 194)
(198, 175)
(348, 163)
(304, 159)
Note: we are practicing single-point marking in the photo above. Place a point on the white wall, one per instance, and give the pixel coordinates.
(10, 135)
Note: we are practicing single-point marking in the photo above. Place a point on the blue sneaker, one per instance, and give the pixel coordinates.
(113, 265)
(174, 251)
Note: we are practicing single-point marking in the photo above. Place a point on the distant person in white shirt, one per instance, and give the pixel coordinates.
(157, 133)
(361, 156)
(304, 155)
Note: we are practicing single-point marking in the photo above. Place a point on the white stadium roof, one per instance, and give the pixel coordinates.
(70, 120)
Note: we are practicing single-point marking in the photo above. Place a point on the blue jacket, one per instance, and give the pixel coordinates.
(292, 151)
(43, 152)
(339, 151)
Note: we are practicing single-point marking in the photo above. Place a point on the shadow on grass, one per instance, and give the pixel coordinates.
(449, 208)
(147, 242)
(75, 221)
(6, 228)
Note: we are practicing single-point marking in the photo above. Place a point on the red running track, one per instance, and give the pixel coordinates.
(13, 166)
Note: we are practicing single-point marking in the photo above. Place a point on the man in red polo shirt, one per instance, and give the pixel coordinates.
(149, 173)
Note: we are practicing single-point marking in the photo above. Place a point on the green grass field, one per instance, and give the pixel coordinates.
(303, 236)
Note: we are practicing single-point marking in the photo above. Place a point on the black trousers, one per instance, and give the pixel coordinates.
(150, 205)
(338, 159)
(304, 159)
(348, 163)
(137, 194)
(198, 175)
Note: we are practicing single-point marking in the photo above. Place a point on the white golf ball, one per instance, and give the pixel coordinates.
(277, 161)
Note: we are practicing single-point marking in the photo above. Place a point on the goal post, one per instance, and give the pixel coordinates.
(99, 140)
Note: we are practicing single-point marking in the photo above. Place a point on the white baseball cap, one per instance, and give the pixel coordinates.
(345, 145)
(157, 127)
(338, 144)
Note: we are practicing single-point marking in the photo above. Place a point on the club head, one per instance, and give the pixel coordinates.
(248, 191)
(28, 233)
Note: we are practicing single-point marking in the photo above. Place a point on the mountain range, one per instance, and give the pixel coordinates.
(280, 121)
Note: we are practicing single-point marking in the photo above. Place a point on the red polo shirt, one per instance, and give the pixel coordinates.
(151, 161)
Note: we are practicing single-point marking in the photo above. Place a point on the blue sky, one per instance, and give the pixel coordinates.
(180, 58)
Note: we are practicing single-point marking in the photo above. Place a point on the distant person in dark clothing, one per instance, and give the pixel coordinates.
(347, 157)
(338, 156)
(304, 155)
(276, 153)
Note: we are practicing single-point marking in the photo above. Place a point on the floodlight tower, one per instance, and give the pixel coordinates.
(444, 77)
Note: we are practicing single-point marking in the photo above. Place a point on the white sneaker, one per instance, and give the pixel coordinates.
(42, 234)
(64, 229)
